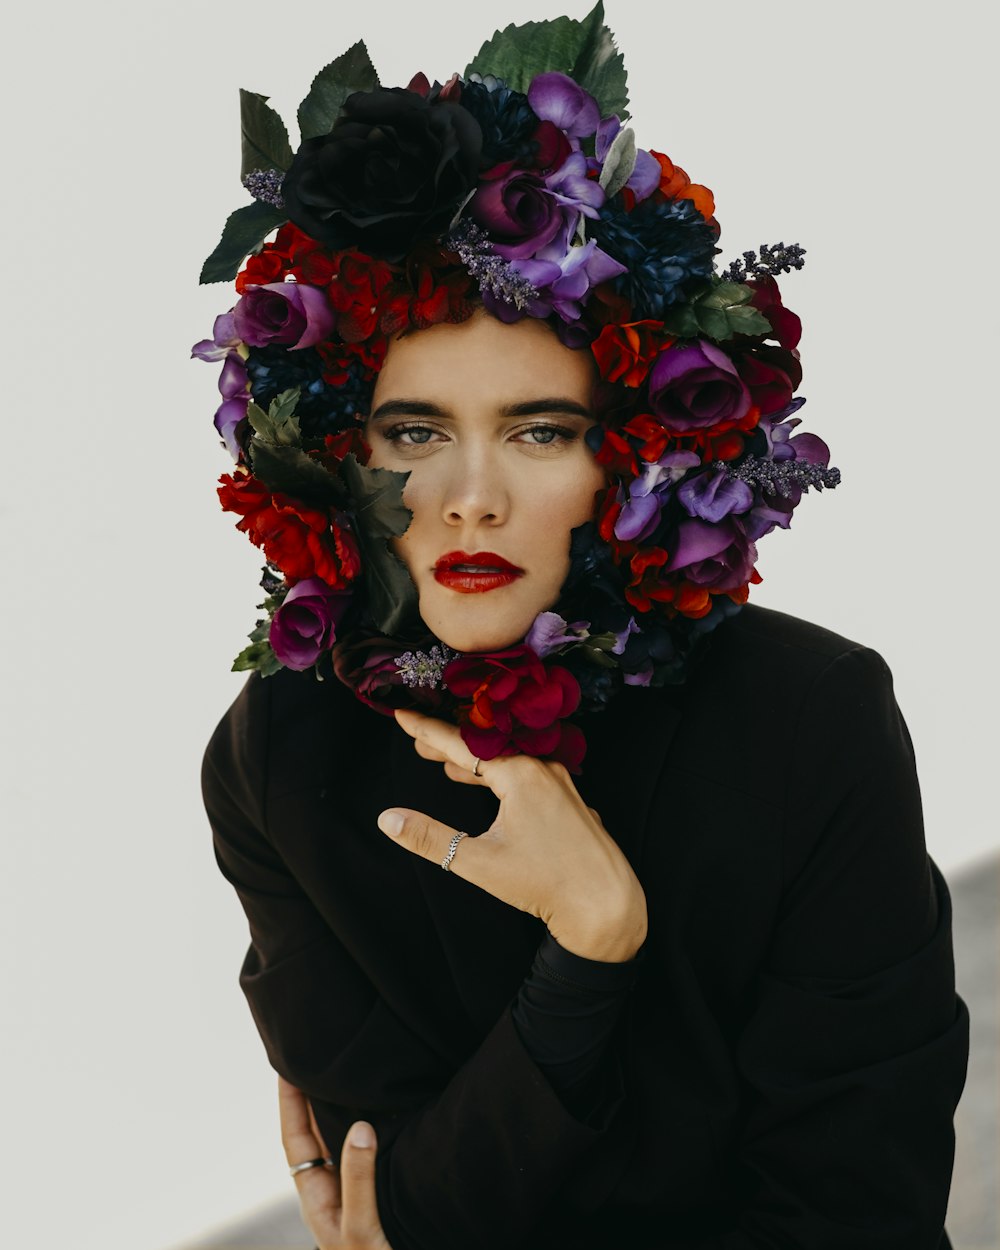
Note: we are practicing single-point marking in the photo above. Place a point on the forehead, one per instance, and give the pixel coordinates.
(487, 358)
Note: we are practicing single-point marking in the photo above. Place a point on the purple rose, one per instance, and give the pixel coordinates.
(696, 387)
(291, 313)
(524, 212)
(718, 556)
(305, 624)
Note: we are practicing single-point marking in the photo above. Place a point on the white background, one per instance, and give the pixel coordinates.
(139, 1108)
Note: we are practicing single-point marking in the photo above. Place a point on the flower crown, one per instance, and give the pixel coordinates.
(516, 186)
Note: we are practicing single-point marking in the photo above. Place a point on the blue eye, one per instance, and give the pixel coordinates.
(418, 434)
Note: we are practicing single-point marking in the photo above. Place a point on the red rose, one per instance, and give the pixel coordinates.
(625, 352)
(301, 541)
(517, 705)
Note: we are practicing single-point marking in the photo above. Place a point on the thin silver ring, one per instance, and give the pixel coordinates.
(452, 848)
(475, 768)
(310, 1163)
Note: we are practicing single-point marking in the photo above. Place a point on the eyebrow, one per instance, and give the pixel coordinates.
(527, 408)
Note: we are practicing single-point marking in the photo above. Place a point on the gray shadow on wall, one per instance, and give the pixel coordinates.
(974, 1211)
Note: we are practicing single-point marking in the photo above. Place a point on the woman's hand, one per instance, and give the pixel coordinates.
(546, 853)
(338, 1204)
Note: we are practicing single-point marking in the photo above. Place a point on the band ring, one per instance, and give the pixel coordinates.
(475, 768)
(309, 1163)
(452, 848)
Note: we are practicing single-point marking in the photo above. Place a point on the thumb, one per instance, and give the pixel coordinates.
(423, 836)
(359, 1206)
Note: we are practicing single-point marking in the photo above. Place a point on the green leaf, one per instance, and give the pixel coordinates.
(376, 499)
(244, 232)
(289, 471)
(585, 50)
(351, 71)
(264, 137)
(681, 322)
(279, 426)
(747, 320)
(712, 322)
(726, 294)
(257, 656)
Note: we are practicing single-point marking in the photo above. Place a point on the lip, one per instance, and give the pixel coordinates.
(493, 572)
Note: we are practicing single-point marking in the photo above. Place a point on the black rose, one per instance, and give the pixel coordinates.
(393, 169)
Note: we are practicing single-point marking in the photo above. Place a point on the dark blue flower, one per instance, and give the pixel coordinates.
(506, 119)
(667, 246)
(322, 408)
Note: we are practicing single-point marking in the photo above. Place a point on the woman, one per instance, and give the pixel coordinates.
(693, 983)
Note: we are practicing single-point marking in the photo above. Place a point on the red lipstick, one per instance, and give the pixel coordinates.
(471, 574)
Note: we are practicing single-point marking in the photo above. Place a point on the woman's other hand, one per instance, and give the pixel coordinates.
(338, 1204)
(546, 853)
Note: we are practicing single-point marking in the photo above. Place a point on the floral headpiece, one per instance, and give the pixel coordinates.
(517, 186)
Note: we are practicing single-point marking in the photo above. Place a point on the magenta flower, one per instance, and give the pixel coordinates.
(696, 387)
(304, 626)
(293, 314)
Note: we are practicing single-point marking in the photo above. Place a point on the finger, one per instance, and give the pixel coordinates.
(324, 1148)
(431, 840)
(436, 735)
(359, 1219)
(301, 1142)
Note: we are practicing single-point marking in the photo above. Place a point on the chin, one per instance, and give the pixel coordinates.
(471, 636)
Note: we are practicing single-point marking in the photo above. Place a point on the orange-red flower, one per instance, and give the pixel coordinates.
(624, 353)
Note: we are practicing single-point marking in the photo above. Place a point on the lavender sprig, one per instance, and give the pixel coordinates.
(780, 477)
(265, 184)
(492, 272)
(774, 259)
(424, 668)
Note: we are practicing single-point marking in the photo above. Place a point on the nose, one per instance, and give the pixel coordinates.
(476, 490)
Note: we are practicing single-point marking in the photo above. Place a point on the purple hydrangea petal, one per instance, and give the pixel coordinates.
(714, 495)
(557, 98)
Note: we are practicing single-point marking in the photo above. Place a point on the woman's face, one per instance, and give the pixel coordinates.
(488, 419)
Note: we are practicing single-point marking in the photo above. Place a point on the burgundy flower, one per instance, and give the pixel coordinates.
(369, 666)
(304, 626)
(517, 706)
(696, 387)
(293, 314)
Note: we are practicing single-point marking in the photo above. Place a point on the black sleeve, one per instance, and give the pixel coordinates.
(854, 1055)
(475, 1163)
(565, 1013)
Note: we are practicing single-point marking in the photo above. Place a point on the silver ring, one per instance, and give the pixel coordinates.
(475, 768)
(452, 848)
(310, 1163)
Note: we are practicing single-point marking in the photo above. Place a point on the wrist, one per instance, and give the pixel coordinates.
(606, 944)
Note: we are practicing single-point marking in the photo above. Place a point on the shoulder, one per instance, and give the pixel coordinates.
(277, 728)
(773, 686)
(767, 656)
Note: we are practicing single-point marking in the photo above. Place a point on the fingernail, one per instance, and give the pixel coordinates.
(362, 1135)
(391, 823)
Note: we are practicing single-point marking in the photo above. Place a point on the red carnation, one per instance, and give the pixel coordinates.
(517, 704)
